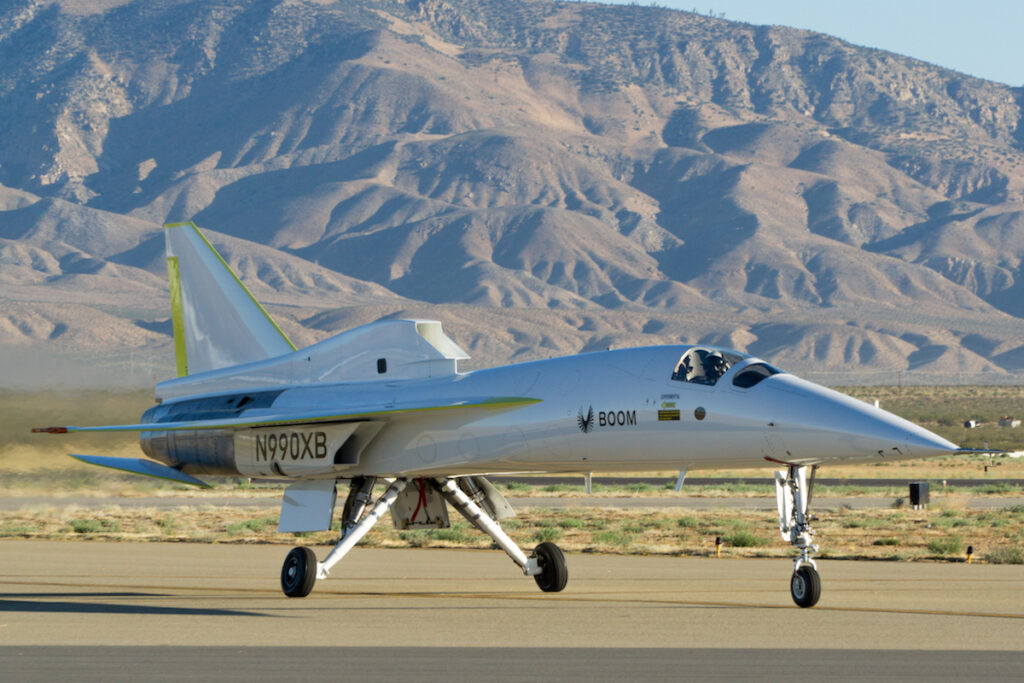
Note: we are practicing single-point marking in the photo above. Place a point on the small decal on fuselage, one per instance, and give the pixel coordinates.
(668, 415)
(585, 422)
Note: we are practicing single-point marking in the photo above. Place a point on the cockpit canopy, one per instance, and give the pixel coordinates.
(701, 365)
(705, 366)
(753, 374)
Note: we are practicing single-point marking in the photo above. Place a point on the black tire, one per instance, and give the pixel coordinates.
(298, 573)
(805, 586)
(554, 574)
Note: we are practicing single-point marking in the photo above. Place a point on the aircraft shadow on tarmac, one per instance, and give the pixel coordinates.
(17, 602)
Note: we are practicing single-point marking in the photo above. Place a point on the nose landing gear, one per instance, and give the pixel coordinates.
(793, 488)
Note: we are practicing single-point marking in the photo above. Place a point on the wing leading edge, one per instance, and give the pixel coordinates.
(270, 419)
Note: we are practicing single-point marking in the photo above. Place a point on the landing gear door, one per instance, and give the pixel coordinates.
(308, 506)
(487, 497)
(420, 506)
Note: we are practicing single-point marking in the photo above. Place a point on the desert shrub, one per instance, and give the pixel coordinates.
(657, 523)
(94, 526)
(997, 488)
(614, 538)
(457, 533)
(1006, 555)
(416, 538)
(547, 534)
(946, 545)
(745, 539)
(257, 526)
(950, 521)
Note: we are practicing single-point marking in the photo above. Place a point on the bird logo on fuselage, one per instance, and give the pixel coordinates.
(585, 423)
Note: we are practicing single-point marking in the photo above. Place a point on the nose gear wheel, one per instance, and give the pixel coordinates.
(805, 586)
(793, 488)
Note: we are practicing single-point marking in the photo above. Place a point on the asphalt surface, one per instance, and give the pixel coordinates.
(114, 611)
(501, 663)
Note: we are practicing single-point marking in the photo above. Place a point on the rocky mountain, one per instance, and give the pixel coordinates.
(544, 177)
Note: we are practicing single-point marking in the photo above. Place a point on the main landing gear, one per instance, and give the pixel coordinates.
(793, 488)
(547, 563)
(301, 570)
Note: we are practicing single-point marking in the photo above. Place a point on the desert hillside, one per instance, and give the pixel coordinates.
(543, 177)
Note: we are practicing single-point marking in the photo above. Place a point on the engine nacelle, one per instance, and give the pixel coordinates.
(196, 451)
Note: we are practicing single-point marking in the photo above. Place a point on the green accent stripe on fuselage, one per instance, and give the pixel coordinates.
(498, 403)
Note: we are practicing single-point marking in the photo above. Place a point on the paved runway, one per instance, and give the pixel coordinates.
(131, 605)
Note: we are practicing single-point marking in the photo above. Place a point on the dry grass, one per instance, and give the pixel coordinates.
(938, 533)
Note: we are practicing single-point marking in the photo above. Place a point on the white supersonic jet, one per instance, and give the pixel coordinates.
(386, 403)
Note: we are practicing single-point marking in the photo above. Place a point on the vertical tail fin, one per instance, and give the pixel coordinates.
(217, 321)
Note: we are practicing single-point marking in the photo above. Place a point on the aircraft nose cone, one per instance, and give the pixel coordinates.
(840, 427)
(925, 444)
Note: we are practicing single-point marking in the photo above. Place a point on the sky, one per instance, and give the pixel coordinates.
(978, 37)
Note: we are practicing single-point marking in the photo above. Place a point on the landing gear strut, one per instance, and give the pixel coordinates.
(547, 563)
(301, 570)
(793, 489)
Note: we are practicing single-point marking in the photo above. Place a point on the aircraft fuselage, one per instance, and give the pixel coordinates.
(608, 411)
